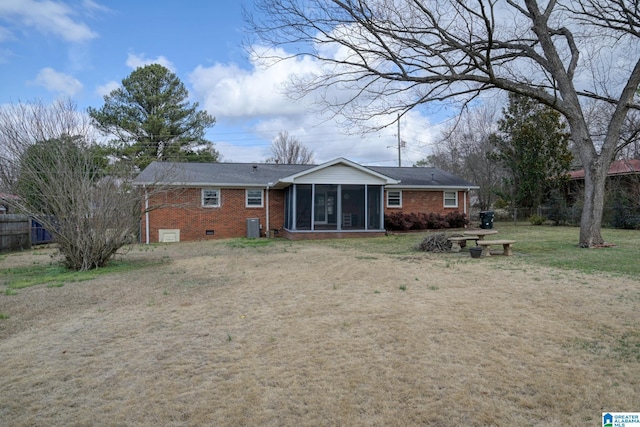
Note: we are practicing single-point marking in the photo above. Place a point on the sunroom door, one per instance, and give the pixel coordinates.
(320, 203)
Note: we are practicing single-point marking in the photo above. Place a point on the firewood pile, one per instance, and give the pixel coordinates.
(436, 242)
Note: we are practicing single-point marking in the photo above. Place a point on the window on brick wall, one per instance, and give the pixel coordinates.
(394, 199)
(211, 197)
(450, 199)
(254, 198)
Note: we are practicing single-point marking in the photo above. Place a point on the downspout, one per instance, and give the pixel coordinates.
(267, 213)
(146, 215)
(465, 204)
(465, 200)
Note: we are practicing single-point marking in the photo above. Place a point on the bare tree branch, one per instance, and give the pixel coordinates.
(380, 57)
(288, 150)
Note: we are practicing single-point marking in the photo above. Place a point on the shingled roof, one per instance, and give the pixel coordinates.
(618, 167)
(263, 174)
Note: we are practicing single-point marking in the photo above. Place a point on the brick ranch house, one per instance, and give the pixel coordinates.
(340, 198)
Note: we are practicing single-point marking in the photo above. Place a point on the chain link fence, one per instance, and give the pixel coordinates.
(613, 216)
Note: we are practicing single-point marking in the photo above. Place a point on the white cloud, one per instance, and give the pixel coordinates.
(229, 91)
(57, 82)
(107, 88)
(256, 95)
(135, 61)
(91, 7)
(47, 17)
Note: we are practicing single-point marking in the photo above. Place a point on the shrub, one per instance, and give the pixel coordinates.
(396, 221)
(625, 217)
(424, 221)
(536, 219)
(456, 219)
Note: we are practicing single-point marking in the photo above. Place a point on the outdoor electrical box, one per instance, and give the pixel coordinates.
(253, 228)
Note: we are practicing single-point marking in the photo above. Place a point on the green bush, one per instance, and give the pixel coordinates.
(536, 219)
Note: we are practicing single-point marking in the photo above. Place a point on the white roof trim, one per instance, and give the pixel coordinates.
(340, 160)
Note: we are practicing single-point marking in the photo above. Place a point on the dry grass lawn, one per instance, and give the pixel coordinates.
(303, 333)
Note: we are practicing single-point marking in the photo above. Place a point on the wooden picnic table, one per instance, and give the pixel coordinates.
(481, 233)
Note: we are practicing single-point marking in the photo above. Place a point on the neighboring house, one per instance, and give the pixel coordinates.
(622, 174)
(340, 198)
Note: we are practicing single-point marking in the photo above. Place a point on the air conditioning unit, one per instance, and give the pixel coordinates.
(253, 228)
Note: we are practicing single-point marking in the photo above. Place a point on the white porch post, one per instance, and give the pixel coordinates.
(339, 208)
(366, 207)
(294, 220)
(313, 207)
(381, 207)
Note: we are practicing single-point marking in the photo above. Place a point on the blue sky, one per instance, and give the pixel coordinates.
(84, 48)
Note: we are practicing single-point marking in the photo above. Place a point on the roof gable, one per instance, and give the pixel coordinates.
(339, 171)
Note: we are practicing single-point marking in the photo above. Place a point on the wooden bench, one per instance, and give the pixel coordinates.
(456, 240)
(486, 246)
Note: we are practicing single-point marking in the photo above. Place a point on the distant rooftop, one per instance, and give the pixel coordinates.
(618, 167)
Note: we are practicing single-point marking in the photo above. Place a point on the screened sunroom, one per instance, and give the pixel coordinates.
(340, 207)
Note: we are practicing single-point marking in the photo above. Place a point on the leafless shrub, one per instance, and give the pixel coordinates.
(51, 163)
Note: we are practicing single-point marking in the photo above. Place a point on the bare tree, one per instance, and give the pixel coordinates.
(59, 176)
(390, 56)
(288, 150)
(463, 147)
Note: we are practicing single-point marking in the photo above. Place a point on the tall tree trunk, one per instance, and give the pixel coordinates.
(594, 185)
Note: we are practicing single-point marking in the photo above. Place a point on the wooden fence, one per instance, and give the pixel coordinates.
(15, 232)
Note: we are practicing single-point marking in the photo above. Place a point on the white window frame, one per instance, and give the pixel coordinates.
(455, 198)
(247, 198)
(202, 197)
(399, 205)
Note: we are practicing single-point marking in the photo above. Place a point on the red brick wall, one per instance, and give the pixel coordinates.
(182, 209)
(415, 201)
(276, 210)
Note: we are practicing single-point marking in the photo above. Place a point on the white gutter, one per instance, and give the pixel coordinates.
(205, 184)
(430, 187)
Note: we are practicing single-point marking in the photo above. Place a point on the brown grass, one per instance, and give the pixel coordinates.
(309, 334)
